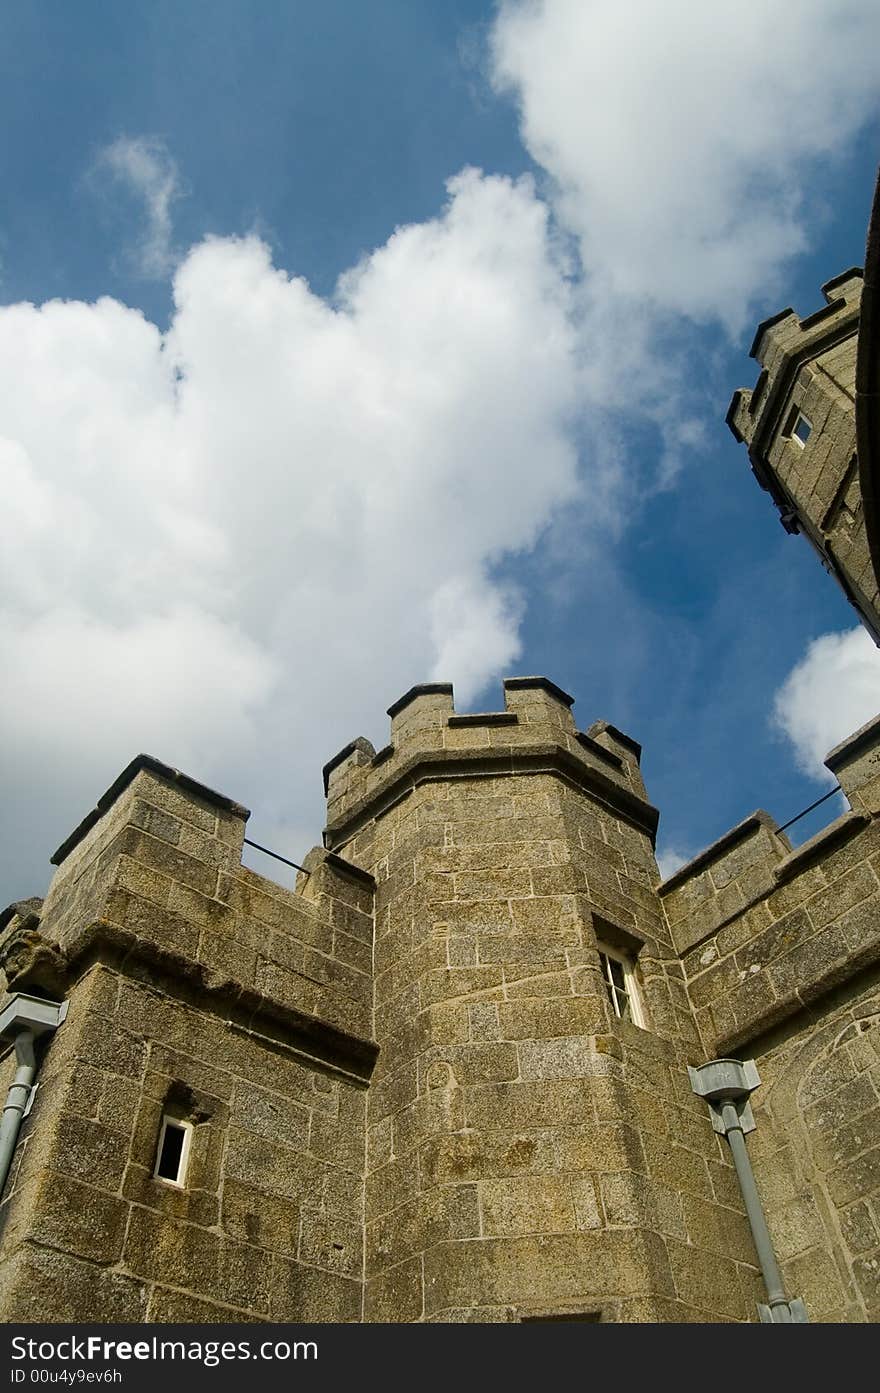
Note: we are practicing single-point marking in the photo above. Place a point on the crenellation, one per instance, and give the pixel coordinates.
(800, 426)
(782, 333)
(539, 702)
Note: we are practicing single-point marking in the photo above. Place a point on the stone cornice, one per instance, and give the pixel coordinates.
(180, 976)
(425, 766)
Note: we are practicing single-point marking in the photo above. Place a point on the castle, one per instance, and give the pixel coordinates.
(446, 1077)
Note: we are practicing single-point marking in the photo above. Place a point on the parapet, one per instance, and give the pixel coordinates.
(764, 929)
(722, 880)
(429, 739)
(151, 881)
(784, 341)
(855, 763)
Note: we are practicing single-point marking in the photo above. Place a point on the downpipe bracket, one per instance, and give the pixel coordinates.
(795, 1313)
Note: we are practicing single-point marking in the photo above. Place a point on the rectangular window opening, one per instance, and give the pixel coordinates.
(172, 1154)
(798, 427)
(619, 975)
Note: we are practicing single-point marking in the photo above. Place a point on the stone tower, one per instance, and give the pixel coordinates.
(530, 1154)
(799, 423)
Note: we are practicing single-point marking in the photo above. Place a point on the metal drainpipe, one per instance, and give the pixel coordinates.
(776, 1296)
(726, 1085)
(17, 1100)
(23, 1019)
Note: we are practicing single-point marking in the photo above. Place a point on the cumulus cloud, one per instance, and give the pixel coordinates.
(833, 690)
(228, 543)
(679, 138)
(670, 859)
(144, 166)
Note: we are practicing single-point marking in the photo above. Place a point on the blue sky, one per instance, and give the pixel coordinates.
(251, 502)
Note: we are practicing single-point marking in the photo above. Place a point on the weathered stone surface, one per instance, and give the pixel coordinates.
(531, 1204)
(40, 1285)
(550, 1268)
(169, 1307)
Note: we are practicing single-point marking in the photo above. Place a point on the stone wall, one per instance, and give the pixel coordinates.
(787, 971)
(411, 1098)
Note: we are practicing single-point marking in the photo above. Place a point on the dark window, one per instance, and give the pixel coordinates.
(173, 1150)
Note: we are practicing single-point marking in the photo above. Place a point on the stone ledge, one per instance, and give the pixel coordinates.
(600, 751)
(542, 757)
(718, 848)
(348, 868)
(521, 684)
(112, 946)
(862, 739)
(797, 1000)
(820, 844)
(825, 312)
(766, 324)
(852, 273)
(420, 689)
(360, 743)
(606, 728)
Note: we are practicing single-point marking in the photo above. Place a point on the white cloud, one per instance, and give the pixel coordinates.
(182, 680)
(670, 859)
(833, 690)
(474, 625)
(679, 136)
(144, 166)
(228, 543)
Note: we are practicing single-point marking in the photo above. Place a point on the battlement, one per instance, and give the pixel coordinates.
(429, 738)
(784, 341)
(799, 423)
(786, 330)
(723, 879)
(763, 928)
(154, 873)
